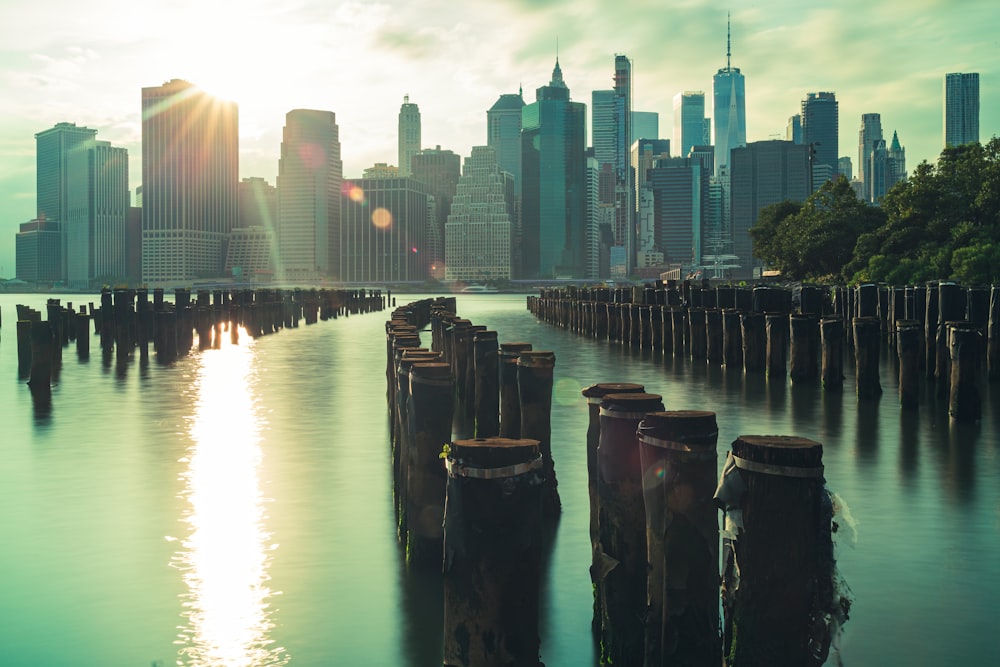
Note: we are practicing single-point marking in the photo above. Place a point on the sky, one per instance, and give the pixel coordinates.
(86, 63)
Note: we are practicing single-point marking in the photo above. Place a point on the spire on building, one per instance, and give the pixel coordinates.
(895, 146)
(557, 76)
(729, 41)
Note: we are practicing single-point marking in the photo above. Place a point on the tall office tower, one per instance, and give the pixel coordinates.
(604, 120)
(689, 120)
(38, 251)
(729, 109)
(645, 125)
(680, 196)
(877, 174)
(439, 170)
(503, 134)
(384, 230)
(61, 176)
(793, 131)
(845, 167)
(704, 154)
(553, 182)
(478, 231)
(252, 252)
(897, 161)
(108, 213)
(763, 173)
(409, 134)
(644, 153)
(258, 203)
(310, 174)
(600, 235)
(870, 132)
(820, 132)
(961, 108)
(190, 167)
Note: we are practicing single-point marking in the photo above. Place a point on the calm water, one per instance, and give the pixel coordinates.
(235, 508)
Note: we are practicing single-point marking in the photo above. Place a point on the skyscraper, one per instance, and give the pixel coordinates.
(689, 121)
(503, 134)
(553, 183)
(107, 214)
(478, 231)
(190, 167)
(439, 170)
(897, 161)
(680, 196)
(645, 125)
(729, 110)
(961, 108)
(409, 134)
(870, 132)
(820, 133)
(310, 173)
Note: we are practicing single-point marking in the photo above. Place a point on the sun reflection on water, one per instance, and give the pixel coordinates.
(225, 557)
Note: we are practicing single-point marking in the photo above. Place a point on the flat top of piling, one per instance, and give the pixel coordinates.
(604, 388)
(494, 452)
(779, 441)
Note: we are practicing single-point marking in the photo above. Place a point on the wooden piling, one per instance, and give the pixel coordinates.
(832, 341)
(677, 452)
(867, 341)
(535, 370)
(930, 333)
(697, 333)
(965, 399)
(732, 338)
(993, 335)
(754, 340)
(492, 553)
(804, 348)
(777, 344)
(487, 381)
(23, 347)
(510, 402)
(42, 359)
(908, 353)
(951, 308)
(82, 322)
(782, 557)
(713, 336)
(620, 565)
(678, 326)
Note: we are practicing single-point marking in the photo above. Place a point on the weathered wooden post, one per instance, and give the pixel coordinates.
(667, 330)
(696, 333)
(832, 340)
(534, 388)
(23, 347)
(713, 336)
(804, 349)
(965, 401)
(908, 352)
(82, 323)
(777, 344)
(510, 402)
(754, 339)
(951, 308)
(42, 360)
(677, 451)
(779, 602)
(678, 325)
(732, 338)
(487, 374)
(930, 333)
(492, 553)
(993, 335)
(430, 408)
(867, 341)
(620, 566)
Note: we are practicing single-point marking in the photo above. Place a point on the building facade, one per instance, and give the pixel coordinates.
(190, 170)
(729, 112)
(503, 134)
(689, 121)
(38, 252)
(820, 132)
(310, 174)
(439, 170)
(961, 108)
(870, 132)
(680, 196)
(409, 134)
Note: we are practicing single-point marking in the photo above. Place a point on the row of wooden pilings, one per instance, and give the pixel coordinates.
(127, 320)
(943, 332)
(474, 477)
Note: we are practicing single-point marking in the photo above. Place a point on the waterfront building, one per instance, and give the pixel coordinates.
(384, 231)
(553, 183)
(478, 231)
(409, 134)
(763, 173)
(310, 175)
(190, 167)
(820, 132)
(729, 107)
(689, 121)
(38, 251)
(439, 170)
(961, 108)
(249, 254)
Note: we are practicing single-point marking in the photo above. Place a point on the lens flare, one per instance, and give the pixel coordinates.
(382, 218)
(312, 155)
(353, 192)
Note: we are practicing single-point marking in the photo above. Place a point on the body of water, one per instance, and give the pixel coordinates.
(235, 507)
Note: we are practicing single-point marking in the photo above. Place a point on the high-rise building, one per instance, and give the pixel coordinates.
(820, 132)
(877, 174)
(553, 183)
(439, 170)
(409, 134)
(961, 108)
(190, 168)
(729, 109)
(310, 174)
(107, 214)
(605, 118)
(845, 167)
(645, 125)
(478, 231)
(870, 132)
(253, 250)
(897, 161)
(384, 230)
(793, 131)
(258, 203)
(689, 121)
(503, 134)
(644, 154)
(381, 170)
(680, 197)
(38, 251)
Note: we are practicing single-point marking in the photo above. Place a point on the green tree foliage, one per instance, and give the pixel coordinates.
(942, 223)
(816, 239)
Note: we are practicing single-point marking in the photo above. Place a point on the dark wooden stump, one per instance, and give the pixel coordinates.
(832, 341)
(535, 370)
(732, 338)
(867, 342)
(777, 344)
(713, 336)
(965, 399)
(487, 392)
(993, 335)
(754, 337)
(908, 351)
(510, 402)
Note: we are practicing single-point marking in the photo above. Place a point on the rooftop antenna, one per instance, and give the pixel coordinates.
(729, 50)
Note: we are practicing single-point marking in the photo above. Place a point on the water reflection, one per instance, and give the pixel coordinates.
(226, 555)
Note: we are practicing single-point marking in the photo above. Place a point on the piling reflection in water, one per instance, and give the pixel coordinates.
(225, 557)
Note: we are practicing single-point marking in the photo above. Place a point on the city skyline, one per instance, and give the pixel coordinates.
(60, 67)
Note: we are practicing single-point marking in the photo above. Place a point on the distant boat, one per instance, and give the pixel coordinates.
(479, 289)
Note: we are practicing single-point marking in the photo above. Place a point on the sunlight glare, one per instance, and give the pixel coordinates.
(382, 218)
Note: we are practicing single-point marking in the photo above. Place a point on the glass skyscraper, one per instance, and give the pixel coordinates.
(409, 134)
(689, 121)
(961, 108)
(820, 132)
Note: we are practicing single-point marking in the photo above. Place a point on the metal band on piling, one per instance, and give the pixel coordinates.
(458, 470)
(683, 449)
(781, 471)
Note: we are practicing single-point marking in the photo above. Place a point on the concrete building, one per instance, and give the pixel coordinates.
(249, 254)
(409, 134)
(478, 231)
(503, 134)
(961, 108)
(680, 196)
(310, 175)
(820, 132)
(258, 203)
(439, 171)
(381, 170)
(190, 168)
(870, 132)
(384, 231)
(38, 252)
(553, 183)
